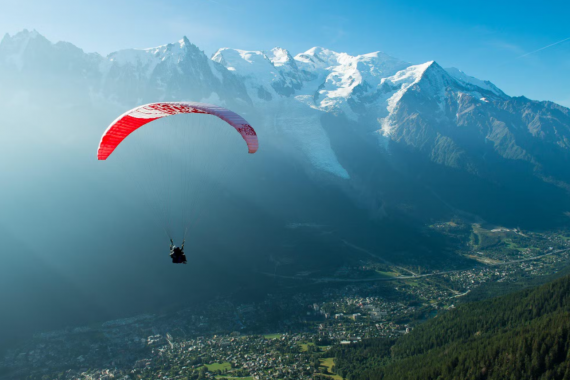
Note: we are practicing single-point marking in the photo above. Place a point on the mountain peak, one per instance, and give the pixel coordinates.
(172, 52)
(21, 37)
(12, 48)
(317, 57)
(243, 61)
(26, 34)
(280, 57)
(318, 50)
(184, 41)
(432, 67)
(186, 45)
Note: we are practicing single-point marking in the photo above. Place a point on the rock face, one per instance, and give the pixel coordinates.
(395, 138)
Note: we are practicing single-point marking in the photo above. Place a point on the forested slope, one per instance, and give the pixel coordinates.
(525, 335)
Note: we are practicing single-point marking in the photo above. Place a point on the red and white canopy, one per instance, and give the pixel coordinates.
(139, 116)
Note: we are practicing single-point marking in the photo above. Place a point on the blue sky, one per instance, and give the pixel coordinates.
(486, 39)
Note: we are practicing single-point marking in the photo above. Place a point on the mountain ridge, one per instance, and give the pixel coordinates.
(427, 123)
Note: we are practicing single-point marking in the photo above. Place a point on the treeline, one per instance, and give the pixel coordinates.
(525, 335)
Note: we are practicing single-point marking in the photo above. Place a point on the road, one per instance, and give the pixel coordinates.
(413, 276)
(530, 258)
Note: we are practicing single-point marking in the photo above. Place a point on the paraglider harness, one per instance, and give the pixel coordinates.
(177, 254)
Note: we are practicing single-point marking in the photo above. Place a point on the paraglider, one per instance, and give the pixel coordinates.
(177, 253)
(139, 116)
(132, 120)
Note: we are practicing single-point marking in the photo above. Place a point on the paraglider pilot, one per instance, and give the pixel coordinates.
(177, 254)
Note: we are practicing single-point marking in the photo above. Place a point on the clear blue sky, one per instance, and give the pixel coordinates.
(485, 39)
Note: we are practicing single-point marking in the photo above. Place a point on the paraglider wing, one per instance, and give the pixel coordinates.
(139, 116)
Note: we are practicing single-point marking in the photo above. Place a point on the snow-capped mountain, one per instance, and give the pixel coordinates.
(391, 134)
(320, 78)
(126, 77)
(168, 72)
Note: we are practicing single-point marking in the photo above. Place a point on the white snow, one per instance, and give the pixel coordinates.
(215, 70)
(279, 57)
(402, 80)
(317, 58)
(304, 127)
(146, 60)
(332, 76)
(465, 79)
(342, 74)
(254, 67)
(243, 61)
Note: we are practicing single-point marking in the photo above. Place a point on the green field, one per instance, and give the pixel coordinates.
(305, 346)
(328, 363)
(513, 245)
(272, 336)
(220, 366)
(234, 378)
(483, 238)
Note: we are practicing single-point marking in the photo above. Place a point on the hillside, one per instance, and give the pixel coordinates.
(524, 335)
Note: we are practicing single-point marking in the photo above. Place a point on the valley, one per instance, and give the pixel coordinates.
(370, 300)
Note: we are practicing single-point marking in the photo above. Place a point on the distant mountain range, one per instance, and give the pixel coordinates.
(403, 140)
